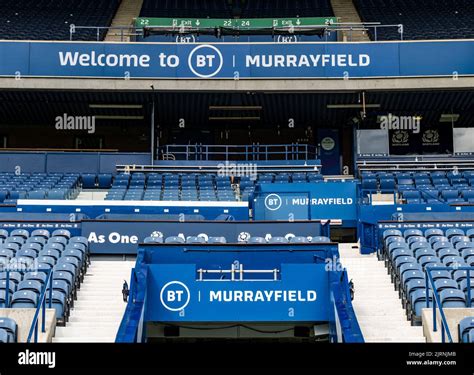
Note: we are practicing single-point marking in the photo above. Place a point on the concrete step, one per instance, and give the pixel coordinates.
(90, 339)
(87, 331)
(99, 308)
(127, 11)
(377, 305)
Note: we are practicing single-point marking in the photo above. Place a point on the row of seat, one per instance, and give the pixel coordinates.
(392, 183)
(407, 256)
(434, 196)
(422, 19)
(26, 259)
(244, 238)
(51, 19)
(171, 187)
(39, 186)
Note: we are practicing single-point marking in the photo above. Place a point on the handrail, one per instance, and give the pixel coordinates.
(134, 31)
(129, 330)
(437, 301)
(254, 152)
(41, 305)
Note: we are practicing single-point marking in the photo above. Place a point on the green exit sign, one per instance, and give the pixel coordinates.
(252, 23)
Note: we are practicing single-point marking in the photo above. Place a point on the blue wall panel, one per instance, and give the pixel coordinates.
(27, 161)
(79, 162)
(226, 60)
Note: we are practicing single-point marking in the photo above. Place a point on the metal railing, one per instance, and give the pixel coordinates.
(42, 307)
(420, 163)
(254, 152)
(363, 27)
(126, 33)
(130, 33)
(239, 271)
(41, 304)
(445, 331)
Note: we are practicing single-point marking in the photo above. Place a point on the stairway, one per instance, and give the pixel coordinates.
(127, 11)
(376, 303)
(99, 307)
(347, 13)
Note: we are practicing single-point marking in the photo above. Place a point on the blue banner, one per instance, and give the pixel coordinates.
(302, 294)
(316, 201)
(123, 237)
(236, 60)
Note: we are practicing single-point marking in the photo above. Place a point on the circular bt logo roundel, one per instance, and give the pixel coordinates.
(327, 143)
(205, 61)
(273, 202)
(175, 296)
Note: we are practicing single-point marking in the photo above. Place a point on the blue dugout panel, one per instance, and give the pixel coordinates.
(93, 209)
(241, 284)
(242, 60)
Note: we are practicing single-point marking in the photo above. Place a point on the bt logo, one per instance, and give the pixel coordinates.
(273, 202)
(175, 296)
(205, 61)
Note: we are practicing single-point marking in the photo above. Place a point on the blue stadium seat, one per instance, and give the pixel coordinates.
(195, 240)
(24, 299)
(104, 180)
(318, 239)
(411, 194)
(154, 239)
(412, 232)
(51, 253)
(4, 301)
(452, 298)
(58, 302)
(175, 240)
(465, 326)
(40, 233)
(454, 232)
(89, 180)
(369, 184)
(10, 327)
(59, 275)
(60, 286)
(36, 276)
(298, 239)
(35, 246)
(20, 233)
(217, 240)
(257, 240)
(278, 239)
(3, 234)
(418, 301)
(29, 253)
(444, 284)
(433, 232)
(33, 285)
(4, 337)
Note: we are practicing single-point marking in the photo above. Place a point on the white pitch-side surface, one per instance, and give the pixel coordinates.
(376, 303)
(99, 307)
